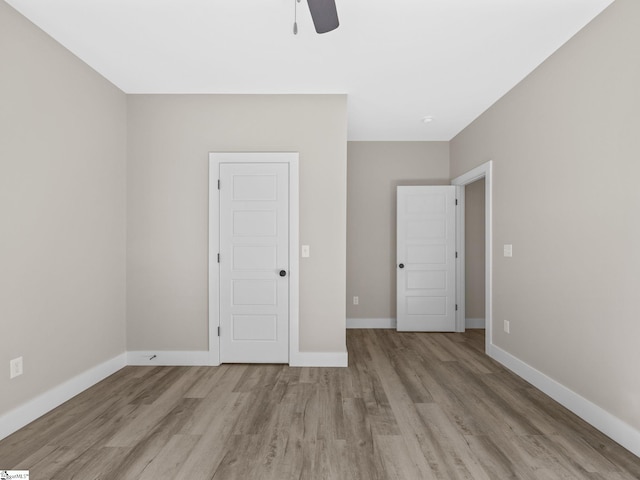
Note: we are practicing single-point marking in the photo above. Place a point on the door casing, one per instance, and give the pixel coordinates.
(215, 159)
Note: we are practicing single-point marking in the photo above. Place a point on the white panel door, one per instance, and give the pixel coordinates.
(426, 259)
(254, 257)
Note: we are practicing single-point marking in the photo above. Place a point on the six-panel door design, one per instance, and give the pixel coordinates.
(426, 259)
(254, 257)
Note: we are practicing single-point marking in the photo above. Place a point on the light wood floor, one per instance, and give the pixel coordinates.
(410, 406)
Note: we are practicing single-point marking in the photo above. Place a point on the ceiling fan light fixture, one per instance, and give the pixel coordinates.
(324, 15)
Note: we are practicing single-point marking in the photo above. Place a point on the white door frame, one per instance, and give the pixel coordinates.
(460, 261)
(215, 159)
(483, 171)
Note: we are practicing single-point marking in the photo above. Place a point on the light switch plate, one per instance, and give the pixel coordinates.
(508, 250)
(305, 251)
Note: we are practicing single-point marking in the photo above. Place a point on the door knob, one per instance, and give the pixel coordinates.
(283, 273)
(401, 265)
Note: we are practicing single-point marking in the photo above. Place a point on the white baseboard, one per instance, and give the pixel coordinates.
(612, 426)
(474, 323)
(371, 323)
(319, 359)
(21, 416)
(168, 358)
(198, 358)
(392, 323)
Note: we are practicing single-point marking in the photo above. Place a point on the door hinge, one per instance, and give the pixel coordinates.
(218, 184)
(218, 331)
(456, 198)
(218, 258)
(456, 311)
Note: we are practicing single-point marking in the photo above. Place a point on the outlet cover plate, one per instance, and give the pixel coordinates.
(15, 367)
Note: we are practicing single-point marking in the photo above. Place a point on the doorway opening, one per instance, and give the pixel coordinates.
(474, 254)
(483, 171)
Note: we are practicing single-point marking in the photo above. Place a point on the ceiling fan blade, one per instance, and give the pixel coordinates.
(324, 15)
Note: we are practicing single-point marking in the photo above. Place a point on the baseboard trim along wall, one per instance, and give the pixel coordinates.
(392, 323)
(612, 426)
(168, 358)
(23, 415)
(474, 323)
(198, 358)
(319, 359)
(371, 323)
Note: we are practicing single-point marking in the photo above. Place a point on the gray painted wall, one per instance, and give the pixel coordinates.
(170, 137)
(62, 213)
(566, 147)
(375, 169)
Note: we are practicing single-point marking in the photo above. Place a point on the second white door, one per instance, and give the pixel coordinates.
(254, 256)
(426, 259)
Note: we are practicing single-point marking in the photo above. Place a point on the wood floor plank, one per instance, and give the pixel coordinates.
(99, 429)
(403, 409)
(147, 448)
(577, 450)
(92, 464)
(210, 379)
(148, 416)
(409, 406)
(455, 409)
(50, 465)
(331, 417)
(363, 459)
(44, 454)
(469, 359)
(218, 397)
(503, 413)
(545, 461)
(404, 364)
(398, 464)
(216, 438)
(240, 458)
(499, 459)
(170, 458)
(366, 384)
(453, 447)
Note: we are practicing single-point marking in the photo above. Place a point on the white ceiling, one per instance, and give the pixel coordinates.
(398, 60)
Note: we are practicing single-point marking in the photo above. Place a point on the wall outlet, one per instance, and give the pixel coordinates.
(508, 250)
(15, 367)
(356, 301)
(507, 326)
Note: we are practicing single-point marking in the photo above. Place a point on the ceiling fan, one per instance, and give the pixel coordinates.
(323, 13)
